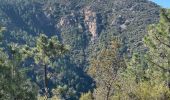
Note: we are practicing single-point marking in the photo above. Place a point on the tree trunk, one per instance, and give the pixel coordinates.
(108, 92)
(45, 81)
(168, 80)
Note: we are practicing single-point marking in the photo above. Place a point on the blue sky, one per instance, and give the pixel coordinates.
(163, 3)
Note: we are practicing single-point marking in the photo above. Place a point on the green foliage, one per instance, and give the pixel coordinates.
(60, 92)
(14, 83)
(27, 89)
(141, 91)
(158, 43)
(44, 53)
(87, 96)
(147, 77)
(46, 49)
(103, 68)
(139, 84)
(25, 19)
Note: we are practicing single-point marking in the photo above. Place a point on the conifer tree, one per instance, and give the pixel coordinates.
(158, 43)
(103, 68)
(44, 53)
(14, 84)
(149, 80)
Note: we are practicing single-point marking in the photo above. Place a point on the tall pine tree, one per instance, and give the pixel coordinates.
(158, 43)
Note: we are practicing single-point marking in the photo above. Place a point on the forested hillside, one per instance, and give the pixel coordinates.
(83, 49)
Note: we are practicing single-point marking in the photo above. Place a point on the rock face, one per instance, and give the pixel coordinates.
(90, 20)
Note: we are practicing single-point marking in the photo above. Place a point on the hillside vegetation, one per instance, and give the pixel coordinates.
(84, 50)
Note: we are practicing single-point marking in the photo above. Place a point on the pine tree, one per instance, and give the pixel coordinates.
(44, 53)
(147, 77)
(158, 43)
(14, 84)
(103, 68)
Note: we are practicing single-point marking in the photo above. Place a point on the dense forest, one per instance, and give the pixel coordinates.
(84, 50)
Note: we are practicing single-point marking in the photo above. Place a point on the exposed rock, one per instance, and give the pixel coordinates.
(123, 27)
(66, 22)
(90, 20)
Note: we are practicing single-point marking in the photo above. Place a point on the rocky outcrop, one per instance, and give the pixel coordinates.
(90, 20)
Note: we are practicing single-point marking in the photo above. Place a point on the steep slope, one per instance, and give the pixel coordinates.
(85, 25)
(125, 18)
